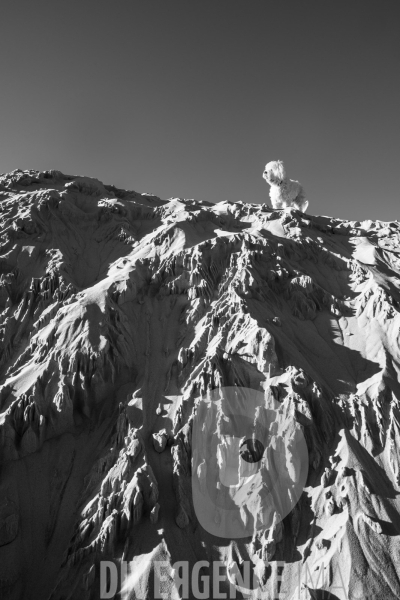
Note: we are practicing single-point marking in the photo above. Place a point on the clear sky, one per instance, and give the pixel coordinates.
(192, 98)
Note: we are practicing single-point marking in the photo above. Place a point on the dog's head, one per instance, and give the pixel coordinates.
(274, 172)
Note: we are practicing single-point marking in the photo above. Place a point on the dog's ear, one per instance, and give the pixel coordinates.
(280, 170)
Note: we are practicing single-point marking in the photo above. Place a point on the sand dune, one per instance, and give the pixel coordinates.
(119, 311)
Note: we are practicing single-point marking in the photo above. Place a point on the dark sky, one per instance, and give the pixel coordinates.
(192, 98)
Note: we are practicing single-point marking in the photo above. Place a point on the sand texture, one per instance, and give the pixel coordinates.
(119, 310)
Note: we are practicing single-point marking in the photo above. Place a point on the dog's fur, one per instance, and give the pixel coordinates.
(283, 192)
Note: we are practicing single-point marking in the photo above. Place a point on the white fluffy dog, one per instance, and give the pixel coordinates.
(283, 192)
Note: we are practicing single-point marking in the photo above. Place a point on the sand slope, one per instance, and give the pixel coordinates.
(118, 310)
